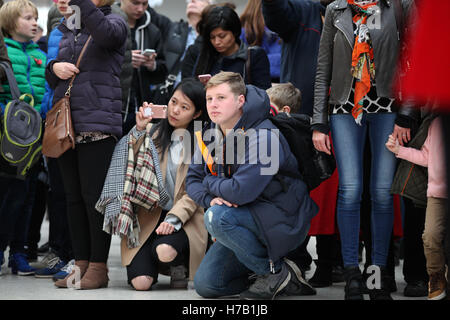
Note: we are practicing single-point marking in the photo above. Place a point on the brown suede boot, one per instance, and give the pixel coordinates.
(95, 277)
(72, 278)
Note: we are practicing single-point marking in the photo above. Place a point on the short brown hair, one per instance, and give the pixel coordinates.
(285, 94)
(233, 79)
(10, 13)
(105, 3)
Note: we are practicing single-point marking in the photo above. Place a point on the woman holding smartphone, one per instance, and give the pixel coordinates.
(222, 50)
(173, 237)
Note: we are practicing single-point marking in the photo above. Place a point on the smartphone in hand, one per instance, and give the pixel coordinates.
(204, 78)
(156, 111)
(148, 52)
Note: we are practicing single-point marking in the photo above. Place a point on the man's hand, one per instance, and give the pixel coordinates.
(65, 70)
(138, 60)
(219, 201)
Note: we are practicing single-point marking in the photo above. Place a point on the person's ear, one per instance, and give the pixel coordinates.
(197, 114)
(286, 109)
(241, 100)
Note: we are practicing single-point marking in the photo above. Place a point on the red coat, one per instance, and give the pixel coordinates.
(429, 47)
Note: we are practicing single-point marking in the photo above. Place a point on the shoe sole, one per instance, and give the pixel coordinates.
(44, 276)
(298, 273)
(439, 297)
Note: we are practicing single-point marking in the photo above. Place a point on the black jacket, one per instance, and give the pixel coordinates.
(258, 73)
(174, 37)
(148, 36)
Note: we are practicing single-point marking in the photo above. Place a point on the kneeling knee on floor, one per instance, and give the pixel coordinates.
(142, 283)
(166, 253)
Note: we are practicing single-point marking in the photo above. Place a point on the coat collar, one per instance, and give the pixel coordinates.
(342, 4)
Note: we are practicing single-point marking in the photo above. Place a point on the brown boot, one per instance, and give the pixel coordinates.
(437, 286)
(69, 280)
(95, 277)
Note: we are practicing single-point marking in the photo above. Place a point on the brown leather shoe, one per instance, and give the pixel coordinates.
(71, 279)
(96, 276)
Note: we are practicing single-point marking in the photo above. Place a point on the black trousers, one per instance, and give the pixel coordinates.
(83, 172)
(414, 264)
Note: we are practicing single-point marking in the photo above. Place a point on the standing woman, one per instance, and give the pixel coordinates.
(96, 103)
(355, 72)
(222, 50)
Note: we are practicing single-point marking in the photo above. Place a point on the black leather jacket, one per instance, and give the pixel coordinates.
(333, 78)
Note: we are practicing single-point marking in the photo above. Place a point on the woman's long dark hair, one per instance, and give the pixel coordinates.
(195, 91)
(222, 17)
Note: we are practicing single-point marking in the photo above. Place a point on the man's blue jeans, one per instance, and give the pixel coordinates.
(239, 250)
(348, 141)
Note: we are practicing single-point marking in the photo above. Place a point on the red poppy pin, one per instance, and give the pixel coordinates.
(38, 61)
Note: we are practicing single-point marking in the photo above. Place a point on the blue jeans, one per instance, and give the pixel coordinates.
(348, 141)
(238, 251)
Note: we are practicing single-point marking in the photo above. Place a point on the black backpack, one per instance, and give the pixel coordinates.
(20, 134)
(314, 166)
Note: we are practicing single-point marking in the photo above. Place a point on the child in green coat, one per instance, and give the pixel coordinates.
(18, 22)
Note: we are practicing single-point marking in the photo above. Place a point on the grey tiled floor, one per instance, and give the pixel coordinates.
(24, 288)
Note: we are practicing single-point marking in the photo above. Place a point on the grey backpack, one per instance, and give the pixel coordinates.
(21, 130)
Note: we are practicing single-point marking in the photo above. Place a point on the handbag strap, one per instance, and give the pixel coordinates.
(77, 65)
(13, 87)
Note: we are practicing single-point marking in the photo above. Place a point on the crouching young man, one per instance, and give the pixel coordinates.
(256, 214)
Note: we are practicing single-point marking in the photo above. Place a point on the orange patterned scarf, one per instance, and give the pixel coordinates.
(363, 68)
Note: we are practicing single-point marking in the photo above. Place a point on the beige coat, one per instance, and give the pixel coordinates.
(190, 214)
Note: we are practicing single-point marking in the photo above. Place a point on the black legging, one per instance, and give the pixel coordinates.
(146, 262)
(83, 172)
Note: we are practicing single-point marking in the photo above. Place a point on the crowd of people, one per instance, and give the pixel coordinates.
(178, 152)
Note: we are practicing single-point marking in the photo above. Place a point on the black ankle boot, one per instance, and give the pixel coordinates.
(322, 276)
(384, 291)
(353, 283)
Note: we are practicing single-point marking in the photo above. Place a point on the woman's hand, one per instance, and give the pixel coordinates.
(165, 228)
(321, 142)
(141, 119)
(403, 135)
(65, 70)
(219, 201)
(392, 144)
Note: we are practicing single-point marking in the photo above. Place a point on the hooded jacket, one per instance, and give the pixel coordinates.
(96, 95)
(280, 205)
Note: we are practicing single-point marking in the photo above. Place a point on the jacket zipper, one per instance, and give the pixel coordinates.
(407, 179)
(349, 42)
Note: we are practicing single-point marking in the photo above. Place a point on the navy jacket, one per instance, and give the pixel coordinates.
(96, 96)
(280, 205)
(299, 25)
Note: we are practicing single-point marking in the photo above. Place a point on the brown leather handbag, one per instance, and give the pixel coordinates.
(59, 135)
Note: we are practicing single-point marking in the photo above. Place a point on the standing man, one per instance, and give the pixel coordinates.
(145, 70)
(177, 37)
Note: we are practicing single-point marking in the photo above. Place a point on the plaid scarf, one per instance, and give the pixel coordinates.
(120, 192)
(141, 188)
(363, 68)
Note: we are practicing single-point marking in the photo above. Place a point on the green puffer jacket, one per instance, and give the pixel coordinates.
(28, 63)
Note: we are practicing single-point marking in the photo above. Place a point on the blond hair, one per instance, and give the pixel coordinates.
(233, 79)
(285, 94)
(10, 13)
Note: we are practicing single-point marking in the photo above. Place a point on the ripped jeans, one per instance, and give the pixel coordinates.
(239, 250)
